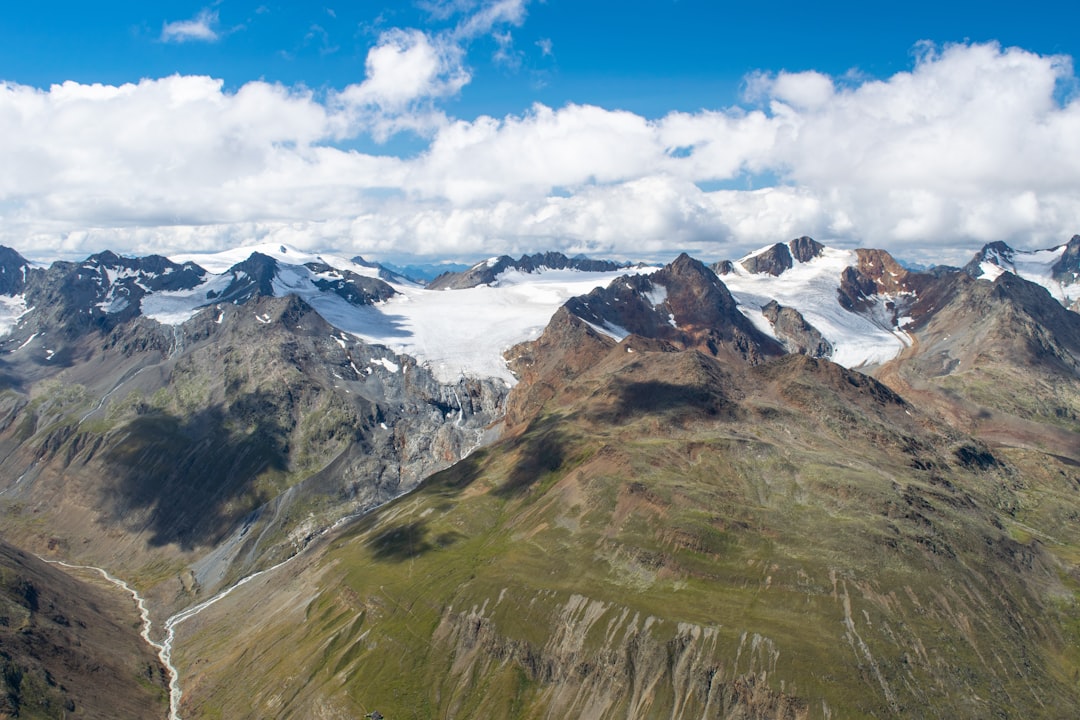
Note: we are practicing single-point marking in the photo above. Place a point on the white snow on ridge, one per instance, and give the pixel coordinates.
(811, 288)
(220, 262)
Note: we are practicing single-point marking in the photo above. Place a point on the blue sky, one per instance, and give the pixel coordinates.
(508, 126)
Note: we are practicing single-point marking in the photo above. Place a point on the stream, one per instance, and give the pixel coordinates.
(165, 648)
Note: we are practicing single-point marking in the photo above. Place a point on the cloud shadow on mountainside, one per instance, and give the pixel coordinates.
(189, 480)
(8, 379)
(540, 450)
(654, 397)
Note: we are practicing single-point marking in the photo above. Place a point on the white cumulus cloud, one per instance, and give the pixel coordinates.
(973, 143)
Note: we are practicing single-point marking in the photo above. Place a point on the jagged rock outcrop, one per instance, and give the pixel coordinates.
(798, 335)
(723, 267)
(385, 273)
(1067, 268)
(997, 253)
(773, 261)
(805, 249)
(103, 291)
(350, 287)
(876, 273)
(13, 269)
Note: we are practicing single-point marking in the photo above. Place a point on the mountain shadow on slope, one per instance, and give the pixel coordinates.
(192, 478)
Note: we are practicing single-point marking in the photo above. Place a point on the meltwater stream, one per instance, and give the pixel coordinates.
(165, 648)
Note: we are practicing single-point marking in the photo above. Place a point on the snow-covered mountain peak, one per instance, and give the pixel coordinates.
(1057, 269)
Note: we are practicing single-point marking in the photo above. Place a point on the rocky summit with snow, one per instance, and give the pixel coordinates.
(804, 483)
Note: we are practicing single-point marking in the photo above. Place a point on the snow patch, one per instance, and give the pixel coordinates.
(657, 296)
(175, 307)
(11, 309)
(613, 331)
(388, 364)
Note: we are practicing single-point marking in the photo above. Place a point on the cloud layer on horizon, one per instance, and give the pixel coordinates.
(974, 143)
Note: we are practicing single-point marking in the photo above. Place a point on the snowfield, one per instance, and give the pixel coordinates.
(454, 332)
(811, 288)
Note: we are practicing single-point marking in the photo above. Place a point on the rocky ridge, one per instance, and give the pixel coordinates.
(486, 272)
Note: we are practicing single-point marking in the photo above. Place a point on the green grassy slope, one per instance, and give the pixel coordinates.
(682, 539)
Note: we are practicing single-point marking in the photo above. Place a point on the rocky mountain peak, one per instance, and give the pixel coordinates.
(805, 249)
(877, 273)
(773, 261)
(684, 303)
(798, 335)
(1067, 268)
(13, 267)
(778, 258)
(251, 278)
(997, 252)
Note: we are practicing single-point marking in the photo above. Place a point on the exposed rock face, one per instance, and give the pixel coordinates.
(805, 249)
(773, 261)
(877, 273)
(652, 666)
(1067, 268)
(486, 272)
(251, 278)
(13, 269)
(683, 303)
(798, 335)
(973, 322)
(354, 289)
(723, 267)
(385, 273)
(99, 293)
(996, 252)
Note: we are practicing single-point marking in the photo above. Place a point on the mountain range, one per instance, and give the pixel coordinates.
(807, 483)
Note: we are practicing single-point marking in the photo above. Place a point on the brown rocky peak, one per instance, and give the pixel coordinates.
(805, 249)
(773, 261)
(889, 275)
